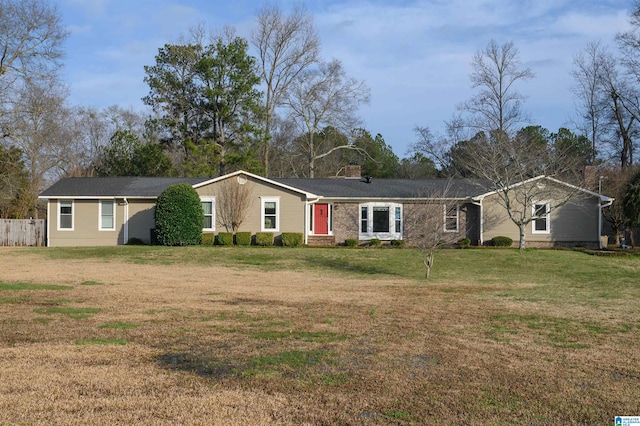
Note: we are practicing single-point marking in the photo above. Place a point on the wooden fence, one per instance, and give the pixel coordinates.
(22, 232)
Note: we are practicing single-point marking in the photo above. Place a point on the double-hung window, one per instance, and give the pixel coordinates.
(381, 220)
(541, 218)
(107, 215)
(270, 211)
(451, 218)
(209, 211)
(65, 215)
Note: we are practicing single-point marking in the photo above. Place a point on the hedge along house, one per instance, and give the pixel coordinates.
(111, 211)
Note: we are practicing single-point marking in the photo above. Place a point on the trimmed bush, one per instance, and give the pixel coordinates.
(464, 242)
(350, 242)
(264, 238)
(208, 239)
(292, 239)
(375, 242)
(179, 216)
(501, 241)
(243, 238)
(224, 239)
(397, 243)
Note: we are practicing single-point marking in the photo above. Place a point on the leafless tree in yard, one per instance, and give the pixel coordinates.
(287, 45)
(325, 97)
(425, 225)
(233, 201)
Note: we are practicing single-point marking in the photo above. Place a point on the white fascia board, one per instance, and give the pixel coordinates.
(390, 199)
(603, 198)
(257, 177)
(515, 185)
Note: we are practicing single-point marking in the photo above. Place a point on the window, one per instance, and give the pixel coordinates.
(364, 219)
(451, 218)
(398, 220)
(540, 218)
(270, 212)
(381, 220)
(107, 216)
(208, 210)
(65, 215)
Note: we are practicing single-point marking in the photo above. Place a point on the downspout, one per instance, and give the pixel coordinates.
(48, 222)
(600, 207)
(125, 225)
(306, 221)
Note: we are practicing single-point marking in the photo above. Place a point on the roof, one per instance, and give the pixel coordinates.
(92, 187)
(389, 188)
(343, 188)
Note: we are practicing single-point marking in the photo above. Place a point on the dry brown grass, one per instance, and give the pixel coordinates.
(227, 346)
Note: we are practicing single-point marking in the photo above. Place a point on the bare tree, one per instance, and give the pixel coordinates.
(497, 106)
(40, 131)
(622, 110)
(325, 97)
(233, 201)
(587, 75)
(31, 38)
(426, 226)
(515, 169)
(287, 45)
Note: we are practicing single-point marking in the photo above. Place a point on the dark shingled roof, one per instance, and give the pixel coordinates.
(114, 186)
(390, 188)
(329, 188)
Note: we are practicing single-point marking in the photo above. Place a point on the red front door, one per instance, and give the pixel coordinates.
(321, 219)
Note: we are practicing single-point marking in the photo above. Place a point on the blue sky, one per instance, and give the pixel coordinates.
(414, 55)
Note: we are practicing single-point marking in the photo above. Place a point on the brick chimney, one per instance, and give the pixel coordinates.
(352, 171)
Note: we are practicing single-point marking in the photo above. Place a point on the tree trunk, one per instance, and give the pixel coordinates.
(522, 243)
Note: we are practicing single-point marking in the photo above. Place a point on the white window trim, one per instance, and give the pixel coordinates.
(100, 226)
(534, 217)
(73, 214)
(213, 212)
(457, 218)
(391, 235)
(263, 201)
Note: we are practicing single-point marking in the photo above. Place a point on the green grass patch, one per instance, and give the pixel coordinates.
(397, 415)
(306, 336)
(292, 359)
(119, 325)
(100, 341)
(54, 302)
(32, 286)
(42, 320)
(90, 282)
(75, 313)
(14, 300)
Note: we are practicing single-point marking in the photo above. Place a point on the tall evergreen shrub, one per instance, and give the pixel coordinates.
(179, 216)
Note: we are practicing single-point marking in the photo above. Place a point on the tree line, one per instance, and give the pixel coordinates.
(288, 112)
